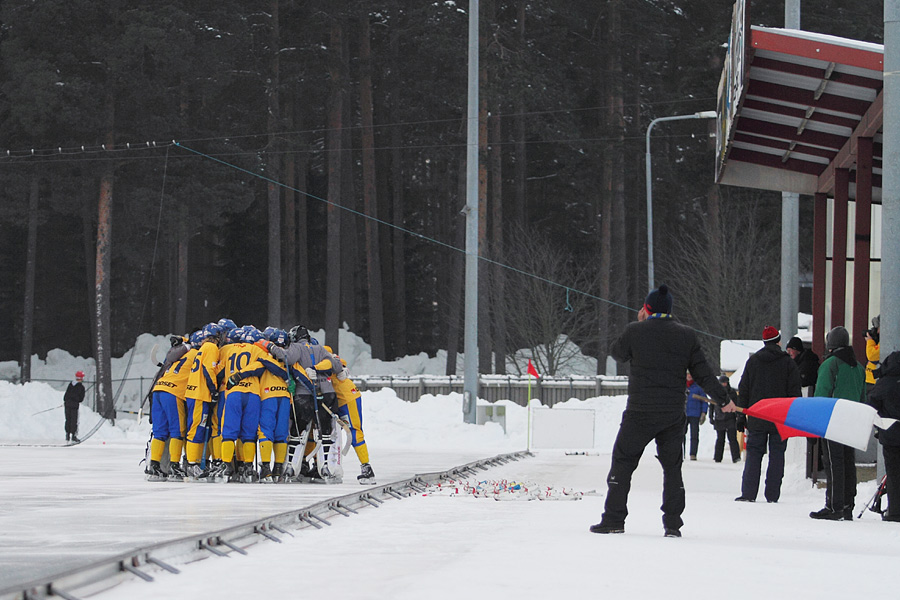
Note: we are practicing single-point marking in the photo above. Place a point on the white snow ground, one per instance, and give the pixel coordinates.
(60, 504)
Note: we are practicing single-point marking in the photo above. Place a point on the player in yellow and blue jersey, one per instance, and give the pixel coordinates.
(240, 415)
(349, 408)
(168, 412)
(276, 396)
(201, 392)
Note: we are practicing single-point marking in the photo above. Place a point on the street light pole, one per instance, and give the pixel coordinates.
(706, 114)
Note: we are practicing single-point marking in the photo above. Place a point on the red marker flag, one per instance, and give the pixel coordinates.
(532, 370)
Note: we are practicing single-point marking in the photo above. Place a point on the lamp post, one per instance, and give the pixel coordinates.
(706, 114)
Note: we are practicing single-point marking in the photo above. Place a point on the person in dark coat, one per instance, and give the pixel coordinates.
(695, 409)
(725, 425)
(885, 398)
(840, 376)
(769, 373)
(807, 361)
(660, 350)
(72, 399)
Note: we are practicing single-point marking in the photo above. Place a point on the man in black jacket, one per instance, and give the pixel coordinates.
(660, 351)
(807, 362)
(71, 401)
(885, 397)
(769, 373)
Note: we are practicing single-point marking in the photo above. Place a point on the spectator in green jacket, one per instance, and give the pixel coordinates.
(840, 376)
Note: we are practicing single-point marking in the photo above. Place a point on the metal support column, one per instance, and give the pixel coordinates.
(839, 247)
(820, 261)
(862, 244)
(790, 228)
(890, 187)
(470, 387)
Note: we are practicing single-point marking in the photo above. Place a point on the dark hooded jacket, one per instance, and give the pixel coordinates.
(661, 351)
(769, 373)
(885, 397)
(808, 363)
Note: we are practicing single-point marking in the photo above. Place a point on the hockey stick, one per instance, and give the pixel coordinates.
(345, 427)
(874, 504)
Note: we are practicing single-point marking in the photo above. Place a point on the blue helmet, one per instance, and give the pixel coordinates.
(227, 324)
(268, 331)
(196, 338)
(211, 330)
(234, 335)
(251, 334)
(279, 337)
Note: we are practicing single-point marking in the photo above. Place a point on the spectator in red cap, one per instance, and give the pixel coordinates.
(71, 401)
(769, 373)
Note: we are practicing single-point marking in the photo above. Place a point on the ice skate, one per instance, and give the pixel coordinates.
(367, 475)
(155, 472)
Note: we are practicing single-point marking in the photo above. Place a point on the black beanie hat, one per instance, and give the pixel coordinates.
(796, 344)
(659, 300)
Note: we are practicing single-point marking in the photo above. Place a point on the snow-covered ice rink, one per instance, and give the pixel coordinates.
(67, 506)
(61, 507)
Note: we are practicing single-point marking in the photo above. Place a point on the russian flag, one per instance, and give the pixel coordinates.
(843, 421)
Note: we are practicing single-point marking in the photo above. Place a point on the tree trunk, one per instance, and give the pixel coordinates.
(399, 340)
(302, 250)
(498, 289)
(30, 270)
(289, 265)
(105, 398)
(619, 274)
(182, 243)
(273, 166)
(370, 201)
(333, 145)
(457, 273)
(353, 288)
(520, 149)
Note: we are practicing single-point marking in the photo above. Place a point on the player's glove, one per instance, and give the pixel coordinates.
(264, 344)
(176, 340)
(233, 381)
(311, 373)
(703, 418)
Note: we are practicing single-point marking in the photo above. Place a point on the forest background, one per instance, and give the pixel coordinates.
(319, 171)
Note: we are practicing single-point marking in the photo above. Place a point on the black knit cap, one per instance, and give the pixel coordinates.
(659, 300)
(795, 343)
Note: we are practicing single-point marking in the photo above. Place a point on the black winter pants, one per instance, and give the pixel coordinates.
(840, 476)
(729, 431)
(636, 431)
(892, 485)
(756, 449)
(71, 418)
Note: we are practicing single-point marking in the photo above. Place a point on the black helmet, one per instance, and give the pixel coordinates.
(299, 333)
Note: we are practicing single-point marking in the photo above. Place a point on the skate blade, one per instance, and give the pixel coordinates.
(367, 481)
(156, 478)
(328, 480)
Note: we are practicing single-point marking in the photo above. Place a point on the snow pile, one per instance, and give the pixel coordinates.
(34, 413)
